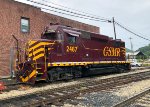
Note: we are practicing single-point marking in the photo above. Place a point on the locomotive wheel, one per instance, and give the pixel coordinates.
(53, 76)
(50, 77)
(121, 70)
(64, 73)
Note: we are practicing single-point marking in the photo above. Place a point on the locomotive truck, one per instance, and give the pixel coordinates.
(64, 52)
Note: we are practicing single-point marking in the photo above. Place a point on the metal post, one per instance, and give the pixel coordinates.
(132, 48)
(17, 47)
(11, 62)
(114, 27)
(131, 44)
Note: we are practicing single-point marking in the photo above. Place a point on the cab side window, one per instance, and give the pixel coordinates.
(71, 39)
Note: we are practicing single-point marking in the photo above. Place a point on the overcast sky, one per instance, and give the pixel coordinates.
(133, 14)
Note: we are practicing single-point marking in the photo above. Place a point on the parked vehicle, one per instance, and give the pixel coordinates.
(135, 63)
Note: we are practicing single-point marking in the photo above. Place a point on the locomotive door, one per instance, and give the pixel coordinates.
(72, 47)
(60, 45)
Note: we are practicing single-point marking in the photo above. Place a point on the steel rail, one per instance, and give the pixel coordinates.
(76, 92)
(5, 78)
(53, 96)
(132, 99)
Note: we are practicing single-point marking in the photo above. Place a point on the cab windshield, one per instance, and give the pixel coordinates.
(50, 36)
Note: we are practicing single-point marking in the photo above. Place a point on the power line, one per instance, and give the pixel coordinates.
(73, 9)
(131, 31)
(69, 14)
(83, 15)
(79, 15)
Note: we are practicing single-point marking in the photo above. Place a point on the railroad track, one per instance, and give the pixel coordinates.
(59, 95)
(143, 101)
(11, 85)
(135, 101)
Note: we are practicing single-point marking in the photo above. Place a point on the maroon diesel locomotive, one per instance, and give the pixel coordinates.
(65, 52)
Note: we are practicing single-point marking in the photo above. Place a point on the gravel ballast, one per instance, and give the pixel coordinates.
(112, 97)
(31, 90)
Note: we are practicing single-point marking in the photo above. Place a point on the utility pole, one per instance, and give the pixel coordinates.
(131, 44)
(114, 27)
(132, 48)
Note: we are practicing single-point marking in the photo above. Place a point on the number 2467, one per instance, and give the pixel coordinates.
(72, 49)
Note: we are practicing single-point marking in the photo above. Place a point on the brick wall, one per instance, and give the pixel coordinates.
(10, 16)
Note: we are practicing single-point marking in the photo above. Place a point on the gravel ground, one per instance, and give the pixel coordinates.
(112, 97)
(29, 89)
(121, 74)
(142, 102)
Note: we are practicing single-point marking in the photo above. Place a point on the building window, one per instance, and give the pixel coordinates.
(25, 25)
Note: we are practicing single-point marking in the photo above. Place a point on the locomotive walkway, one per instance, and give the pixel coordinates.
(57, 95)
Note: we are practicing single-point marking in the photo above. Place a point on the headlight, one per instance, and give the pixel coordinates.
(29, 59)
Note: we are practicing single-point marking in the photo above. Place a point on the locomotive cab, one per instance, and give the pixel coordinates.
(50, 36)
(38, 53)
